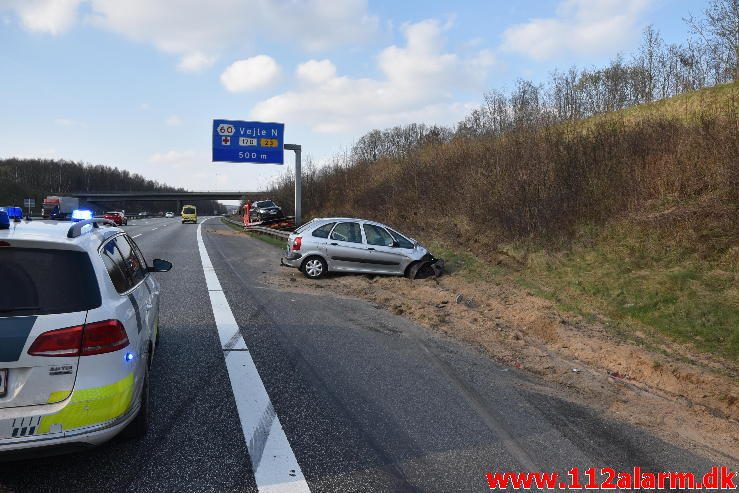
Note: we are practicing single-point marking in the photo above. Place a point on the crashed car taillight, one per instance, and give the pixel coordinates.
(297, 243)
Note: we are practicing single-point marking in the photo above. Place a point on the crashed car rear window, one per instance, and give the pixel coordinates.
(40, 281)
(323, 231)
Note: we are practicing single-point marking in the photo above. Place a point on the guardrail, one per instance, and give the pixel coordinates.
(259, 229)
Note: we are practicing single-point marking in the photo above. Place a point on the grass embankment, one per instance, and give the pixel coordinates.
(630, 217)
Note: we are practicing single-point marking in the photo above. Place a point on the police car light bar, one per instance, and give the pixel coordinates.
(78, 228)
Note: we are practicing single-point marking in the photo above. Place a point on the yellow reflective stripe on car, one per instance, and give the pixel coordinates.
(90, 406)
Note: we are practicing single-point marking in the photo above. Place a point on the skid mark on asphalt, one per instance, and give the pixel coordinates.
(276, 469)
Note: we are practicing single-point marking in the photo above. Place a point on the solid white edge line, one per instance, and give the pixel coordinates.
(276, 469)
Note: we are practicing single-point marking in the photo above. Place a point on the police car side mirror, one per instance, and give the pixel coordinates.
(160, 266)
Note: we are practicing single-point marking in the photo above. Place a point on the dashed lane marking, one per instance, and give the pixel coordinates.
(276, 469)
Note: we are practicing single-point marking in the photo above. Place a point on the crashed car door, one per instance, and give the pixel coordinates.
(385, 256)
(346, 250)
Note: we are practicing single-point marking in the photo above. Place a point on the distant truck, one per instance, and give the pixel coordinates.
(59, 207)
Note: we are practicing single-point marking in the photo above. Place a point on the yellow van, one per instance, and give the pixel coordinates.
(189, 214)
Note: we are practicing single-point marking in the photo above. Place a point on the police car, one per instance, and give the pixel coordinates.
(79, 311)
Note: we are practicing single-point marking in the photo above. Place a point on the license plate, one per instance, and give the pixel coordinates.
(3, 382)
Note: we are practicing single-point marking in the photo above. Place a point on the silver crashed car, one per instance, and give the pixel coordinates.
(355, 245)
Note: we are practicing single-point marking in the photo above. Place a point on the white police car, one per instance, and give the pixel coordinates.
(79, 313)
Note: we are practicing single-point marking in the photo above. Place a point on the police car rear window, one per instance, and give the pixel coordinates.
(41, 281)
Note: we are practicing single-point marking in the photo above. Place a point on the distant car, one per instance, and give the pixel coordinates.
(353, 245)
(76, 340)
(189, 214)
(169, 214)
(117, 217)
(265, 210)
(143, 215)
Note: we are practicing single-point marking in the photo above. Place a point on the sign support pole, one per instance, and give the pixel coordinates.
(298, 192)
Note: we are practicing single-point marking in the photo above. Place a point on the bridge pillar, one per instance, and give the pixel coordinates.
(179, 207)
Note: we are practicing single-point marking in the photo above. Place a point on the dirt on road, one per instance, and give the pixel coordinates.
(686, 397)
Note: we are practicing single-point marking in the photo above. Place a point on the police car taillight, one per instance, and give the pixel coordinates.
(81, 340)
(58, 343)
(103, 337)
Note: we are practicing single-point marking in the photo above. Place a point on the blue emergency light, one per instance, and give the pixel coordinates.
(4, 219)
(81, 215)
(15, 213)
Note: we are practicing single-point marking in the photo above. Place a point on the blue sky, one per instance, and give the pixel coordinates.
(136, 84)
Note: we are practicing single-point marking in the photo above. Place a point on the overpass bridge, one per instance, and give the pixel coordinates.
(101, 197)
(180, 197)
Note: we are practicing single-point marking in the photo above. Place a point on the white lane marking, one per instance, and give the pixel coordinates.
(136, 236)
(276, 469)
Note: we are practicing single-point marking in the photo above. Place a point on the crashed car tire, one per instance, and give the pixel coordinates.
(314, 267)
(425, 268)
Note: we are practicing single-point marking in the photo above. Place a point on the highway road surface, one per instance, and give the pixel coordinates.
(255, 389)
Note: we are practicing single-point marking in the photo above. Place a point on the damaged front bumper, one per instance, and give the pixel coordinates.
(428, 266)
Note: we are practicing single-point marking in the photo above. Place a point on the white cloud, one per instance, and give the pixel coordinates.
(198, 31)
(316, 71)
(193, 170)
(195, 62)
(250, 74)
(173, 157)
(419, 84)
(46, 16)
(173, 121)
(66, 122)
(580, 27)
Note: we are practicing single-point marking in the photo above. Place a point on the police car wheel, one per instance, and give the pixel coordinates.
(140, 424)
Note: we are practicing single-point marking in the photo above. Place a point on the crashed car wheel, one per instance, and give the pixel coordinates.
(314, 267)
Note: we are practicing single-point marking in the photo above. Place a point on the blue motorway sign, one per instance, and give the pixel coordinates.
(248, 142)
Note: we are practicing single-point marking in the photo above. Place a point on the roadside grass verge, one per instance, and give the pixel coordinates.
(271, 240)
(637, 278)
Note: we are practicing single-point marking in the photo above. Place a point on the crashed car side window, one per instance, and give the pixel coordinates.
(377, 236)
(347, 232)
(403, 242)
(323, 231)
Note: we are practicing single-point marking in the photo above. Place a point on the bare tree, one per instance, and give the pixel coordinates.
(719, 33)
